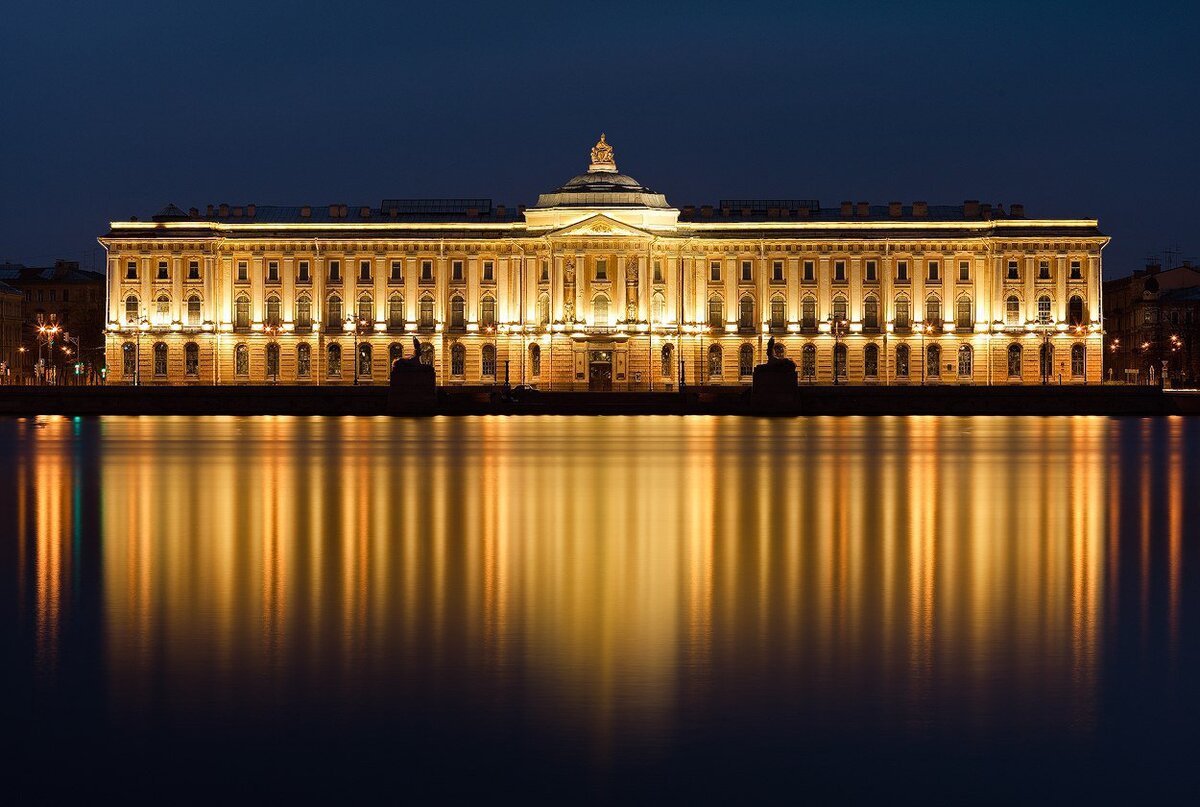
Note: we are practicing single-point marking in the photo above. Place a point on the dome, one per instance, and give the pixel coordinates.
(602, 186)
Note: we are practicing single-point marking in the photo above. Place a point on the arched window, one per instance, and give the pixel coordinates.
(162, 309)
(668, 360)
(840, 309)
(333, 309)
(427, 354)
(241, 312)
(746, 313)
(903, 320)
(395, 351)
(871, 314)
(1014, 360)
(273, 361)
(333, 359)
(364, 360)
(191, 360)
(1045, 317)
(1012, 310)
(966, 361)
(964, 319)
(131, 309)
(426, 311)
(716, 313)
(160, 360)
(1046, 357)
(487, 312)
(808, 361)
(933, 311)
(1078, 360)
(839, 360)
(396, 311)
(535, 360)
(1075, 310)
(128, 360)
(715, 363)
(745, 360)
(458, 313)
(366, 309)
(901, 361)
(658, 307)
(600, 310)
(871, 360)
(303, 313)
(193, 310)
(458, 359)
(489, 361)
(808, 313)
(543, 310)
(778, 313)
(274, 318)
(933, 361)
(303, 360)
(780, 352)
(241, 360)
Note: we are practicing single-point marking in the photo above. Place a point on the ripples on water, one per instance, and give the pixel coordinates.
(574, 608)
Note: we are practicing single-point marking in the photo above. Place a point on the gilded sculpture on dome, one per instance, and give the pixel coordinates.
(602, 154)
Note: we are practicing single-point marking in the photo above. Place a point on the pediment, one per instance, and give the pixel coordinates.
(600, 226)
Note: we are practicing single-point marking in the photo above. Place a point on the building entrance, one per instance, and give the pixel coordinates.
(600, 371)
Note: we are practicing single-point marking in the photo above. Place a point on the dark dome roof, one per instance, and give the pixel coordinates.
(602, 189)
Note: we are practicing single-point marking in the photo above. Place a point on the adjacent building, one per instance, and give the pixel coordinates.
(604, 285)
(64, 294)
(1152, 319)
(10, 332)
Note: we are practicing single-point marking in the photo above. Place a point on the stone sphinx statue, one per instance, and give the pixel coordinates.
(413, 384)
(775, 384)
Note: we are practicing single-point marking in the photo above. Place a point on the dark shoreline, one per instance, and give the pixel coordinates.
(825, 400)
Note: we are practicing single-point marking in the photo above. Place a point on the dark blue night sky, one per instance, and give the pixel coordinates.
(113, 110)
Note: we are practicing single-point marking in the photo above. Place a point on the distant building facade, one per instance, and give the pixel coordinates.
(603, 285)
(10, 332)
(1152, 323)
(73, 298)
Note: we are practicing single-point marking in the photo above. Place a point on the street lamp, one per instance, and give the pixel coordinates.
(354, 325)
(271, 332)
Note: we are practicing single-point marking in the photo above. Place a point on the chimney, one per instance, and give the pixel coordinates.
(706, 211)
(864, 209)
(237, 212)
(193, 212)
(306, 212)
(210, 211)
(689, 210)
(803, 212)
(472, 212)
(985, 210)
(772, 212)
(1153, 268)
(364, 212)
(971, 209)
(746, 212)
(250, 209)
(224, 209)
(501, 211)
(895, 209)
(1016, 210)
(920, 209)
(846, 209)
(333, 211)
(344, 211)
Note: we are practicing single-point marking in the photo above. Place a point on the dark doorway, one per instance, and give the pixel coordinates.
(600, 371)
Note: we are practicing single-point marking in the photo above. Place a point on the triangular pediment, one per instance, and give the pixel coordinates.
(600, 226)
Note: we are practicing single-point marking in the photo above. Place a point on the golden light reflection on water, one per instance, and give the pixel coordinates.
(627, 571)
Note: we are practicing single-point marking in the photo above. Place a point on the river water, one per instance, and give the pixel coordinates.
(604, 609)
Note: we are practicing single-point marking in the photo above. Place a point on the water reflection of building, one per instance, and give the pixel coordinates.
(603, 285)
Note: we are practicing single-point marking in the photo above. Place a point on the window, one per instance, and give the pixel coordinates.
(160, 360)
(903, 319)
(335, 272)
(810, 270)
(544, 275)
(241, 317)
(427, 354)
(364, 271)
(303, 360)
(334, 311)
(302, 272)
(1076, 270)
(333, 360)
(489, 361)
(1014, 271)
(808, 361)
(487, 312)
(427, 270)
(1012, 310)
(162, 309)
(714, 360)
(397, 273)
(1075, 310)
(366, 309)
(871, 314)
(746, 313)
(747, 271)
(274, 317)
(131, 270)
(489, 271)
(965, 361)
(128, 360)
(1078, 361)
(458, 359)
(425, 312)
(871, 360)
(839, 270)
(273, 271)
(1044, 314)
(964, 270)
(241, 360)
(601, 269)
(191, 360)
(304, 313)
(458, 315)
(668, 360)
(243, 271)
(808, 313)
(193, 310)
(1046, 359)
(543, 310)
(745, 360)
(933, 361)
(131, 309)
(658, 272)
(839, 309)
(714, 272)
(1014, 360)
(871, 271)
(456, 270)
(52, 294)
(163, 273)
(839, 360)
(193, 270)
(933, 311)
(600, 310)
(716, 313)
(1043, 270)
(902, 271)
(273, 361)
(535, 360)
(778, 313)
(395, 352)
(935, 272)
(964, 319)
(396, 311)
(658, 307)
(901, 361)
(777, 271)
(364, 360)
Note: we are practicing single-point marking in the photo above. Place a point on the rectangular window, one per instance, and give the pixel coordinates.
(1043, 270)
(871, 271)
(658, 272)
(489, 271)
(52, 293)
(777, 271)
(714, 272)
(933, 311)
(427, 270)
(243, 270)
(66, 295)
(839, 309)
(1076, 270)
(335, 271)
(273, 270)
(601, 269)
(544, 277)
(193, 270)
(162, 271)
(302, 272)
(364, 270)
(456, 270)
(747, 271)
(131, 270)
(964, 270)
(397, 272)
(902, 319)
(935, 271)
(1014, 272)
(810, 270)
(839, 270)
(902, 271)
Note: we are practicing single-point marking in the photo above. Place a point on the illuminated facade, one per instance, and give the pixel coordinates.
(603, 285)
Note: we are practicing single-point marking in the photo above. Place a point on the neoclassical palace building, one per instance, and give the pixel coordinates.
(604, 285)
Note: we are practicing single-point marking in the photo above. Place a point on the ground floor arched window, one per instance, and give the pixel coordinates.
(489, 361)
(333, 359)
(427, 354)
(128, 360)
(241, 360)
(871, 361)
(1014, 360)
(273, 361)
(839, 360)
(458, 359)
(303, 360)
(1046, 357)
(808, 361)
(745, 360)
(902, 361)
(535, 360)
(933, 361)
(715, 360)
(668, 360)
(966, 361)
(191, 360)
(364, 360)
(1078, 361)
(160, 360)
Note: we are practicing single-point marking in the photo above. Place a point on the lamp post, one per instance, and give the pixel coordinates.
(22, 350)
(837, 326)
(272, 331)
(354, 325)
(924, 356)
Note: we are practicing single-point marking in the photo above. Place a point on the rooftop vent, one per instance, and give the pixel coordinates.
(864, 209)
(895, 209)
(847, 209)
(920, 209)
